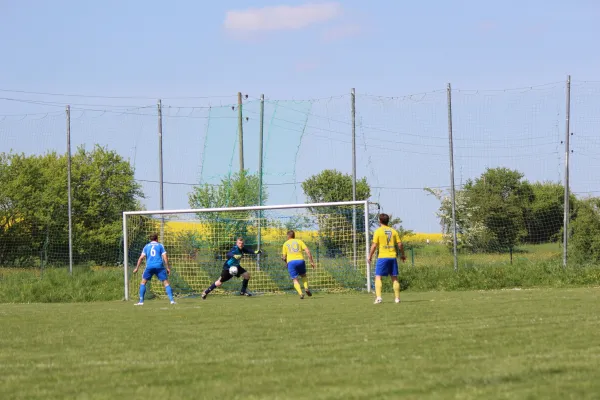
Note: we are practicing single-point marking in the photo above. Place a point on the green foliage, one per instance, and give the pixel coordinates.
(499, 210)
(584, 244)
(544, 218)
(239, 190)
(498, 200)
(34, 212)
(333, 186)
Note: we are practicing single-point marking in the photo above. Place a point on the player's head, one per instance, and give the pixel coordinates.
(291, 234)
(239, 242)
(154, 237)
(384, 219)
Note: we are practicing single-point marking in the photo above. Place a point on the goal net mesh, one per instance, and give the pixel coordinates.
(197, 244)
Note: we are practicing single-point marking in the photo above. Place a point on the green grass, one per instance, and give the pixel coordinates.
(438, 255)
(511, 344)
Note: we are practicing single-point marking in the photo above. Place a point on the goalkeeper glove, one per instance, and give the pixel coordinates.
(257, 251)
(237, 256)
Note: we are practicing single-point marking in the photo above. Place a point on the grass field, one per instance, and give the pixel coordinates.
(509, 344)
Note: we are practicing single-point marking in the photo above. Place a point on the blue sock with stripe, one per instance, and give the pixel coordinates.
(169, 292)
(142, 292)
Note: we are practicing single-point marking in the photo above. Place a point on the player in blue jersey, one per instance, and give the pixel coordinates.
(157, 263)
(233, 260)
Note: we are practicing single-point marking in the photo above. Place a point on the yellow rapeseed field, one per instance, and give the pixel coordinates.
(274, 234)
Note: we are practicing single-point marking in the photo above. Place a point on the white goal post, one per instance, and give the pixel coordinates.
(195, 240)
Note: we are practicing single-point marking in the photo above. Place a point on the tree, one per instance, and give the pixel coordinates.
(104, 186)
(585, 239)
(333, 186)
(34, 212)
(238, 190)
(499, 199)
(471, 235)
(545, 217)
(490, 211)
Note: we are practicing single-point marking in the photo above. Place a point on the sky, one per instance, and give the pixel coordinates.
(507, 63)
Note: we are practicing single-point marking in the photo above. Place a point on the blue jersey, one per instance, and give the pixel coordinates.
(154, 252)
(231, 260)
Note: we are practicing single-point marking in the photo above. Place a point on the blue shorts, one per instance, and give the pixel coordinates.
(296, 268)
(160, 272)
(386, 266)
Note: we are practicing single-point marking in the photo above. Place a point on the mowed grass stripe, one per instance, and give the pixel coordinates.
(539, 343)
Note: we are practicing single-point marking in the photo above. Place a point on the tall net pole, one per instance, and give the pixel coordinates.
(353, 113)
(260, 170)
(241, 131)
(69, 194)
(452, 190)
(160, 166)
(566, 201)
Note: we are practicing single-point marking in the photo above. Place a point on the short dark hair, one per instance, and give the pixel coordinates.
(154, 237)
(384, 219)
(291, 234)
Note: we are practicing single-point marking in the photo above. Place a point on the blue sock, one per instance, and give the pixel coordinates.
(210, 288)
(142, 292)
(169, 292)
(244, 285)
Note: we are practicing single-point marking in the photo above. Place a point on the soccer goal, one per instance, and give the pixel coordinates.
(196, 240)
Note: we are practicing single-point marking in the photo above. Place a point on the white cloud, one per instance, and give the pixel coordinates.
(277, 18)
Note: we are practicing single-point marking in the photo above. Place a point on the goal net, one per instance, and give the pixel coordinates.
(197, 240)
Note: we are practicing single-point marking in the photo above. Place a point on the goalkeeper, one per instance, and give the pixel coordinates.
(233, 260)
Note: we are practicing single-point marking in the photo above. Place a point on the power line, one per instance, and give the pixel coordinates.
(111, 97)
(288, 184)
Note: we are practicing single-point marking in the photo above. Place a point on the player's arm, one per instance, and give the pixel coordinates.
(284, 254)
(373, 246)
(139, 261)
(165, 259)
(310, 257)
(234, 253)
(400, 248)
(248, 251)
(372, 251)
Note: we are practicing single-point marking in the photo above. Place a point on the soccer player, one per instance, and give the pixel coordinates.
(292, 255)
(157, 263)
(233, 260)
(386, 239)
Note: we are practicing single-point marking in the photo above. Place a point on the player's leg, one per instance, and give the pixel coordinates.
(395, 283)
(381, 269)
(294, 275)
(301, 270)
(147, 275)
(305, 283)
(163, 277)
(225, 276)
(245, 279)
